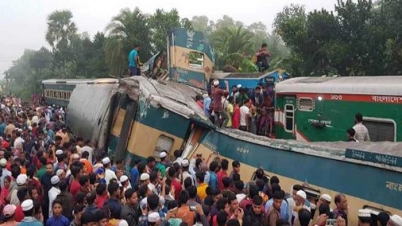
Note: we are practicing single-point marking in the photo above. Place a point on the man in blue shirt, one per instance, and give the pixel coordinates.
(133, 62)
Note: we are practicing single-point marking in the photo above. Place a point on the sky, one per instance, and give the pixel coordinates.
(23, 22)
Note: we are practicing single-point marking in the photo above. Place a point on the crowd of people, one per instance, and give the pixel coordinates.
(248, 110)
(48, 177)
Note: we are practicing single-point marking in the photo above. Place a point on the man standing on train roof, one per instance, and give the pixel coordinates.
(217, 106)
(263, 58)
(133, 60)
(362, 133)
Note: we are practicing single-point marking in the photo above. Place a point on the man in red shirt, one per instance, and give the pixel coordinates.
(75, 186)
(175, 183)
(222, 173)
(217, 106)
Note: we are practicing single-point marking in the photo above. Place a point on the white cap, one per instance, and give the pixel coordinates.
(59, 172)
(185, 163)
(153, 217)
(122, 223)
(59, 152)
(144, 176)
(396, 219)
(27, 205)
(29, 127)
(123, 178)
(55, 180)
(21, 179)
(215, 82)
(364, 213)
(106, 160)
(163, 154)
(302, 194)
(326, 197)
(238, 86)
(3, 162)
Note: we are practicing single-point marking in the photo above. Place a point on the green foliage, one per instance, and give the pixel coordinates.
(362, 38)
(74, 55)
(235, 43)
(160, 23)
(127, 29)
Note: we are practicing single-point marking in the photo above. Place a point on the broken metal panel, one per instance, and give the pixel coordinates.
(88, 111)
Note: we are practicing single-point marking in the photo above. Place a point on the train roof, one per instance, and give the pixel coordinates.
(363, 85)
(335, 150)
(80, 81)
(176, 97)
(244, 75)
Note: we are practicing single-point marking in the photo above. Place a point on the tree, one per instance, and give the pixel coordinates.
(127, 29)
(232, 44)
(202, 24)
(161, 23)
(60, 29)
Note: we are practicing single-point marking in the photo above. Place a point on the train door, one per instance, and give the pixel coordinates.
(285, 115)
(121, 127)
(197, 130)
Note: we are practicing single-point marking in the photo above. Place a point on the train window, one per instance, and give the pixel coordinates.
(289, 118)
(196, 60)
(65, 95)
(164, 143)
(305, 104)
(51, 93)
(380, 129)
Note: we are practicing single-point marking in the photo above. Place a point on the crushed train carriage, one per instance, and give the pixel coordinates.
(142, 117)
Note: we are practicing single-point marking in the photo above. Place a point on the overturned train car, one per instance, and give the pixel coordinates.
(141, 117)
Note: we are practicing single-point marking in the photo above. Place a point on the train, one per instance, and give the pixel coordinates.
(57, 92)
(323, 108)
(140, 116)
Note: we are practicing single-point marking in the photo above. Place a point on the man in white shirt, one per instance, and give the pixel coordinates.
(244, 115)
(53, 192)
(19, 142)
(109, 174)
(87, 147)
(361, 131)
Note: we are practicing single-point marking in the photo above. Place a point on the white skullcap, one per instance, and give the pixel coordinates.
(162, 154)
(106, 160)
(55, 180)
(144, 176)
(27, 205)
(302, 194)
(153, 217)
(326, 197)
(123, 178)
(21, 179)
(185, 163)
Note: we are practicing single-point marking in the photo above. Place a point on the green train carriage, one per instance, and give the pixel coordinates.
(58, 91)
(323, 108)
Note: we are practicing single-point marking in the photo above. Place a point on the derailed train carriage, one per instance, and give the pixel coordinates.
(141, 117)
